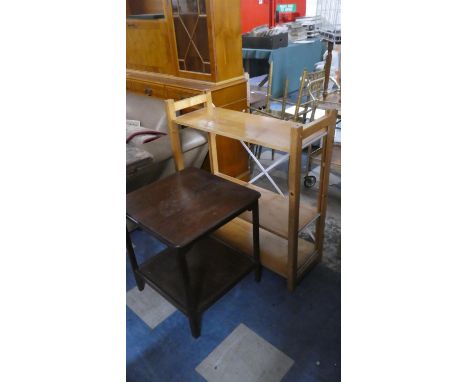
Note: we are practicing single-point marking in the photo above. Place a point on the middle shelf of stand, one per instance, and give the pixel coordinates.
(274, 212)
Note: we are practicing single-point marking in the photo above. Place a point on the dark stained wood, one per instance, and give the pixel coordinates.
(212, 269)
(186, 205)
(182, 210)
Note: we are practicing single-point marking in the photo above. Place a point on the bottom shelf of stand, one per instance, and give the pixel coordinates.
(273, 248)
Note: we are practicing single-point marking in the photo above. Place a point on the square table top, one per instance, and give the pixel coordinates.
(184, 206)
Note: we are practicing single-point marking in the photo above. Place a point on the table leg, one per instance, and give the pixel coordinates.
(256, 242)
(193, 316)
(131, 255)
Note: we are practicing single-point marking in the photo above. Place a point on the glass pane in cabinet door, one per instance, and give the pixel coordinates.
(200, 39)
(193, 61)
(202, 7)
(185, 6)
(183, 41)
(175, 7)
(191, 32)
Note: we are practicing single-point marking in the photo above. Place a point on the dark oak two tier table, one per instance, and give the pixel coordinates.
(181, 211)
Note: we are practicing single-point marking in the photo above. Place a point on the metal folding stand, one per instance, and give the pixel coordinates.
(264, 171)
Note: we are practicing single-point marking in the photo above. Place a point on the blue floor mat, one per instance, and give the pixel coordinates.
(304, 324)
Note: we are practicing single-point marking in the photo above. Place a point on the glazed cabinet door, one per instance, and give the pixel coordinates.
(191, 23)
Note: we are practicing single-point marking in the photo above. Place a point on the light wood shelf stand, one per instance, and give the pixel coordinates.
(281, 218)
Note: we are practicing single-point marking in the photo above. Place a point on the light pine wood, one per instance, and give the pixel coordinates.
(316, 126)
(250, 128)
(273, 248)
(209, 101)
(281, 218)
(190, 102)
(324, 176)
(335, 163)
(232, 158)
(294, 199)
(273, 210)
(174, 135)
(171, 109)
(213, 149)
(230, 178)
(314, 137)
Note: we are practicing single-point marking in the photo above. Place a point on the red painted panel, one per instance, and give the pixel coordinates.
(254, 14)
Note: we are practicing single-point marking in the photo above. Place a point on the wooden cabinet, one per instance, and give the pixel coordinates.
(190, 22)
(207, 38)
(179, 48)
(145, 41)
(149, 43)
(199, 39)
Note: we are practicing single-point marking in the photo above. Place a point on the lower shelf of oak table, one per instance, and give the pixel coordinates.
(213, 270)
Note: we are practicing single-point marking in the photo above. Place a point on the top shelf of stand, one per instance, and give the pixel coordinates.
(252, 128)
